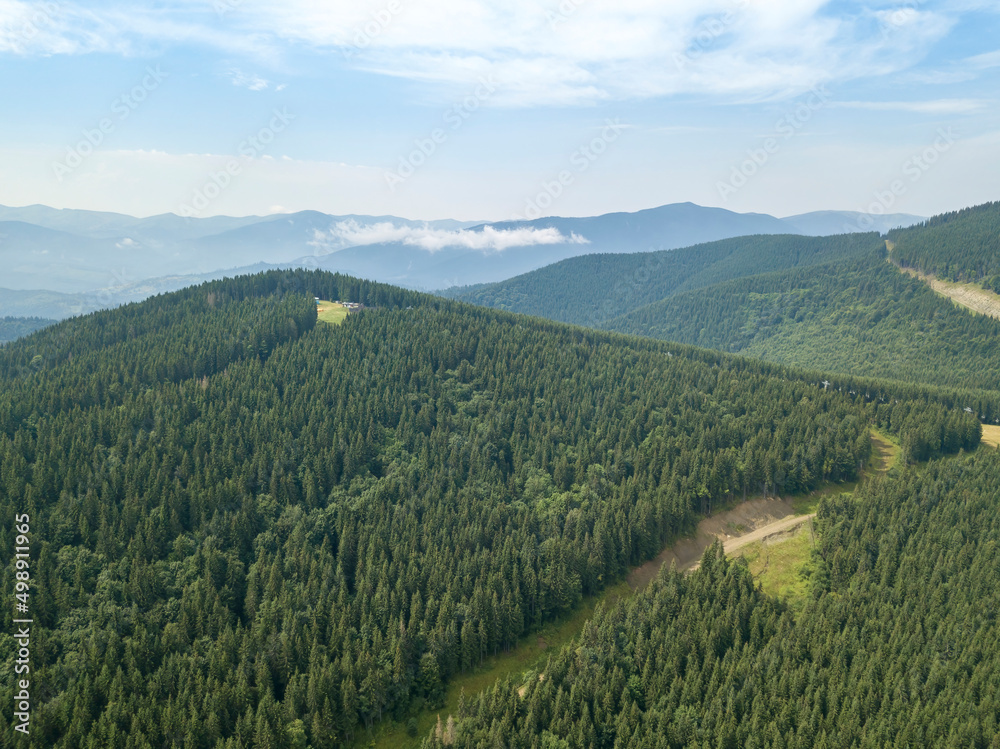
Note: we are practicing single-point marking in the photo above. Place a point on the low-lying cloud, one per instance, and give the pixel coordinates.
(488, 239)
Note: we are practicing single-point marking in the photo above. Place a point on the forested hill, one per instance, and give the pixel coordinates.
(961, 246)
(12, 328)
(859, 317)
(593, 289)
(252, 529)
(896, 649)
(831, 304)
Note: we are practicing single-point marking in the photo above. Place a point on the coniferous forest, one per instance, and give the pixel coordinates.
(369, 381)
(833, 304)
(254, 530)
(959, 246)
(12, 328)
(860, 317)
(896, 649)
(593, 289)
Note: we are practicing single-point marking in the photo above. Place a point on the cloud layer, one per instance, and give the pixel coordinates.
(584, 51)
(353, 234)
(553, 52)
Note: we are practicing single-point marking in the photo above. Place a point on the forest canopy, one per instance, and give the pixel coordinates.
(252, 529)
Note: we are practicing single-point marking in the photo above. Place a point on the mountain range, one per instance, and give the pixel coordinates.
(62, 262)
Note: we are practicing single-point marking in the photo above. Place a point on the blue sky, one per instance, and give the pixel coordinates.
(481, 109)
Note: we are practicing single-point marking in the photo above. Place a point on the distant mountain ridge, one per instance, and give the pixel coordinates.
(826, 223)
(101, 259)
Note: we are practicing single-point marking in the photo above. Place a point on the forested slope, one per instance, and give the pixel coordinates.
(829, 303)
(252, 530)
(860, 316)
(12, 328)
(960, 246)
(593, 289)
(897, 649)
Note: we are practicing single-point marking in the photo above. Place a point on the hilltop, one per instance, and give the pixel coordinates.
(298, 529)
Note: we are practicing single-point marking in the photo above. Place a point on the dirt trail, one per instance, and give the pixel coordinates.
(752, 521)
(756, 519)
(783, 528)
(969, 296)
(773, 529)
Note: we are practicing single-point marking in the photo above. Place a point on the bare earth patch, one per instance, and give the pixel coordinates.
(752, 520)
(967, 295)
(758, 520)
(780, 530)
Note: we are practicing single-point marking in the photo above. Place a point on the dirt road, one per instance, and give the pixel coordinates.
(753, 520)
(773, 529)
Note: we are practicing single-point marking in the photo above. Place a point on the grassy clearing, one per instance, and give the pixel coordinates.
(331, 312)
(807, 504)
(885, 452)
(991, 435)
(530, 656)
(783, 566)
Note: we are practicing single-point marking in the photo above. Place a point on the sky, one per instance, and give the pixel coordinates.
(499, 109)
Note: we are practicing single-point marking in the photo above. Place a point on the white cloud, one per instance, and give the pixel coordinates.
(126, 244)
(553, 52)
(936, 106)
(61, 27)
(352, 234)
(984, 61)
(585, 51)
(243, 80)
(49, 28)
